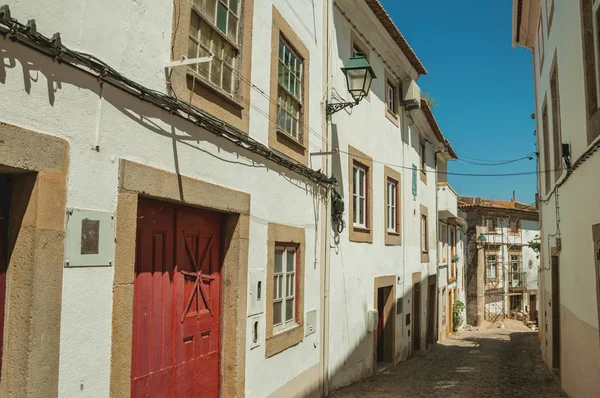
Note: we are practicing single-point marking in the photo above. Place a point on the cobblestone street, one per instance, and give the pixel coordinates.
(490, 362)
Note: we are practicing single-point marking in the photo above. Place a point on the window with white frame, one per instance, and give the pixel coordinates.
(515, 266)
(391, 97)
(492, 266)
(213, 29)
(359, 195)
(392, 205)
(289, 93)
(444, 242)
(424, 243)
(284, 287)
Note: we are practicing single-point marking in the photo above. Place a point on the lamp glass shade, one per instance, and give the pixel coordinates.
(359, 76)
(482, 238)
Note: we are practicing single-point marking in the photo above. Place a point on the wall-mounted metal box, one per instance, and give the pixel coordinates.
(90, 238)
(311, 323)
(256, 291)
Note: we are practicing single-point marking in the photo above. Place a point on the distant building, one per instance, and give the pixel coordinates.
(564, 37)
(501, 269)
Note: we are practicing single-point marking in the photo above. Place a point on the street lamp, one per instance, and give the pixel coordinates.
(359, 76)
(481, 239)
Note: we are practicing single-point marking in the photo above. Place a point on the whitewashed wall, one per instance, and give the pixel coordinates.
(134, 38)
(579, 209)
(355, 265)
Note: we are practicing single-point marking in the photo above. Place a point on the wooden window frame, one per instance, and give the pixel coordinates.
(591, 39)
(423, 160)
(517, 231)
(279, 235)
(230, 108)
(392, 115)
(556, 120)
(296, 97)
(424, 235)
(546, 147)
(284, 143)
(487, 268)
(284, 274)
(358, 195)
(519, 270)
(356, 233)
(393, 238)
(198, 70)
(444, 242)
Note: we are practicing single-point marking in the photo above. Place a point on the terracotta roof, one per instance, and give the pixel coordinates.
(393, 30)
(466, 202)
(436, 128)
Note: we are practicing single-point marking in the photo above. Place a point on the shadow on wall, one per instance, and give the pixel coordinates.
(148, 116)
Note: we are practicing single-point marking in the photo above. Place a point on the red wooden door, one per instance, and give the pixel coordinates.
(176, 302)
(3, 266)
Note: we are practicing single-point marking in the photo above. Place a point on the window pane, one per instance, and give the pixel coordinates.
(222, 18)
(192, 52)
(289, 309)
(205, 34)
(232, 27)
(292, 84)
(204, 68)
(233, 6)
(215, 73)
(227, 79)
(361, 208)
(355, 180)
(355, 209)
(291, 257)
(208, 8)
(278, 256)
(277, 313)
(194, 25)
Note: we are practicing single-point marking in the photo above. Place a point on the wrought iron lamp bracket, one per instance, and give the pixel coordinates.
(332, 108)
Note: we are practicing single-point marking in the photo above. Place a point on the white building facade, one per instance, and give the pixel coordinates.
(381, 280)
(192, 233)
(563, 37)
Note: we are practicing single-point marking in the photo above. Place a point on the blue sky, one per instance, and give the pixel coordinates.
(483, 87)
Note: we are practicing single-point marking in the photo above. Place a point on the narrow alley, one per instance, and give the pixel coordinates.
(489, 362)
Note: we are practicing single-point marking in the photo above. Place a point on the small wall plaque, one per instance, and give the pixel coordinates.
(90, 238)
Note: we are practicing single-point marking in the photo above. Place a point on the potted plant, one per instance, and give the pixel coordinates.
(457, 314)
(455, 258)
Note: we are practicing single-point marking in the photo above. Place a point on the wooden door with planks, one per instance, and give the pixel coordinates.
(177, 308)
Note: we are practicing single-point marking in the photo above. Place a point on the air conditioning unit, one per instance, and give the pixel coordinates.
(411, 95)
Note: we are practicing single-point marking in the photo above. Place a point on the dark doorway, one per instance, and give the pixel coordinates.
(555, 314)
(5, 194)
(385, 327)
(532, 308)
(431, 289)
(416, 326)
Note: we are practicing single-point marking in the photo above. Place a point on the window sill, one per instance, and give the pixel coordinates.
(392, 117)
(283, 340)
(290, 140)
(452, 279)
(360, 228)
(393, 233)
(237, 103)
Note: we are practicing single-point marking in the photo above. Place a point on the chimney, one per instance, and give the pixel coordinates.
(514, 197)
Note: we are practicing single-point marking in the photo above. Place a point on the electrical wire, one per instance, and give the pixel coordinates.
(528, 157)
(175, 106)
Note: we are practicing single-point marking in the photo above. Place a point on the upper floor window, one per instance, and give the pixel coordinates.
(424, 242)
(284, 287)
(359, 195)
(550, 14)
(515, 267)
(391, 97)
(392, 205)
(289, 94)
(492, 270)
(444, 243)
(214, 28)
(515, 226)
